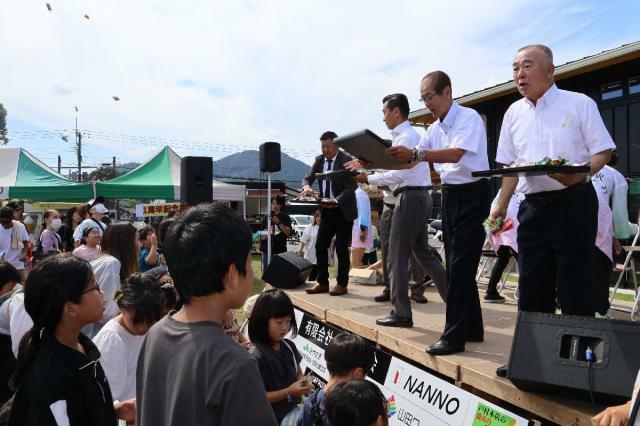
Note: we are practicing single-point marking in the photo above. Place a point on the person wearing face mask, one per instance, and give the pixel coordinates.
(49, 238)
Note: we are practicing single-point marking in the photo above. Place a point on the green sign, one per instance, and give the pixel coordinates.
(488, 416)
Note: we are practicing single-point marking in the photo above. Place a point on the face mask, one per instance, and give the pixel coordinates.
(56, 224)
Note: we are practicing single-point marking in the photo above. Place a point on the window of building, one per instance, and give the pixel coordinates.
(612, 91)
(634, 85)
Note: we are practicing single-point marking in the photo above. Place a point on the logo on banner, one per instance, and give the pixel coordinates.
(391, 406)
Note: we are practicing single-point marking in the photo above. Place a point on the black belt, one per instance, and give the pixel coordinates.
(398, 191)
(550, 197)
(463, 186)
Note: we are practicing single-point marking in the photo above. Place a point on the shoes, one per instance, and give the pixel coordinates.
(338, 290)
(442, 347)
(383, 297)
(418, 298)
(502, 371)
(392, 320)
(493, 297)
(318, 288)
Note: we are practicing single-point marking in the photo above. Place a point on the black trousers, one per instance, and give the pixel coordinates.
(504, 254)
(601, 272)
(556, 240)
(464, 208)
(333, 223)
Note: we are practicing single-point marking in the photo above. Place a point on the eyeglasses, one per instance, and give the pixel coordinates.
(428, 98)
(89, 290)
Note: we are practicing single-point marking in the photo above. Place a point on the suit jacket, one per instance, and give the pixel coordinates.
(343, 186)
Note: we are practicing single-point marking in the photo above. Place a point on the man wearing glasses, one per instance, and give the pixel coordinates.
(457, 145)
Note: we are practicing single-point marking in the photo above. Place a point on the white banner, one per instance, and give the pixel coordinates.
(414, 396)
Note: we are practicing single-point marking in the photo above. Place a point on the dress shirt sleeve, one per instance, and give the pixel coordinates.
(471, 133)
(596, 135)
(506, 153)
(395, 177)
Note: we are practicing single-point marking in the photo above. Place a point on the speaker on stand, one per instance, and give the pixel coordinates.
(196, 180)
(269, 162)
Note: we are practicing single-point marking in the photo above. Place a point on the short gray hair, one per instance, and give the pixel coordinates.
(541, 47)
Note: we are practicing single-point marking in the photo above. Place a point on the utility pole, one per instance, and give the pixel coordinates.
(59, 164)
(114, 161)
(79, 148)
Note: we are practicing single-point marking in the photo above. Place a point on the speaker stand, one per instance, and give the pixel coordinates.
(268, 218)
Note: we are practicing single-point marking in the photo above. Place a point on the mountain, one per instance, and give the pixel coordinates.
(245, 165)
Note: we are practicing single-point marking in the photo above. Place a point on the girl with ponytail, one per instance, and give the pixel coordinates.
(141, 302)
(58, 378)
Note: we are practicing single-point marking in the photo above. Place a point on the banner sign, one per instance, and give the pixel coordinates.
(148, 210)
(414, 396)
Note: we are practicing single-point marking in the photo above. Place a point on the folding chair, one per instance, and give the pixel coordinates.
(629, 266)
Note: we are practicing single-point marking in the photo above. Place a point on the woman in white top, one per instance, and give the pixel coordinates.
(141, 302)
(90, 247)
(308, 244)
(118, 259)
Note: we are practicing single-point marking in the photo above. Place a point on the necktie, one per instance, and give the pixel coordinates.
(328, 185)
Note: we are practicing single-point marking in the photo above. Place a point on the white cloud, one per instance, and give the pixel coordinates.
(240, 73)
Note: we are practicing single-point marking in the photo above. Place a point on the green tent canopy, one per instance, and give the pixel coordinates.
(157, 178)
(24, 177)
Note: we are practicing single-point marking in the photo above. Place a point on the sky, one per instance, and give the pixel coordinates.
(217, 77)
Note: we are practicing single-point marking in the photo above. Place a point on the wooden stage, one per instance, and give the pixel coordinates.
(473, 370)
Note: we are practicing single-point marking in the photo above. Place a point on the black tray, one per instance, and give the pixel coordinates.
(312, 202)
(366, 145)
(532, 171)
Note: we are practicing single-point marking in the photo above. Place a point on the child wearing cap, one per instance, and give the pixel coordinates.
(96, 211)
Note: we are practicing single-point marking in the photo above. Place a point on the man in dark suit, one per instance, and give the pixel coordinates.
(335, 220)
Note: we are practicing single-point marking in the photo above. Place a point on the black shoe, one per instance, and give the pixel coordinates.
(442, 347)
(502, 371)
(476, 339)
(493, 297)
(392, 320)
(383, 297)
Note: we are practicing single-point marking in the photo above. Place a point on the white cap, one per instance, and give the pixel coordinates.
(99, 208)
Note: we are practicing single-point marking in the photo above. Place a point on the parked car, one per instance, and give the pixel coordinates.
(300, 222)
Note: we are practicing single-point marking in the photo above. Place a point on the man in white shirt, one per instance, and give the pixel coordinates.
(411, 212)
(558, 218)
(14, 240)
(457, 145)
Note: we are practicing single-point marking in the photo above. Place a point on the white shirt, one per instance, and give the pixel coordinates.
(106, 270)
(88, 223)
(611, 188)
(308, 238)
(464, 129)
(19, 320)
(12, 255)
(561, 124)
(364, 219)
(405, 135)
(325, 169)
(119, 352)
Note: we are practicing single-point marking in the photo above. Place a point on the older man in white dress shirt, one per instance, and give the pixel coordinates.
(558, 218)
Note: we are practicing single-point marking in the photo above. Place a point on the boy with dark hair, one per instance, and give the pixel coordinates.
(349, 357)
(189, 371)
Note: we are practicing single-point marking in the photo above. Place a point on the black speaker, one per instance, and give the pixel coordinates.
(550, 353)
(196, 180)
(287, 270)
(270, 157)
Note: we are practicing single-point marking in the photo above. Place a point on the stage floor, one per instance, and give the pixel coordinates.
(471, 370)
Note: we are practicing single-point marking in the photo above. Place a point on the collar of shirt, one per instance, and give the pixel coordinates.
(333, 159)
(547, 99)
(400, 128)
(450, 118)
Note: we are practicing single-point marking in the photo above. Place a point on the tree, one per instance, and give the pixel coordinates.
(102, 173)
(4, 135)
